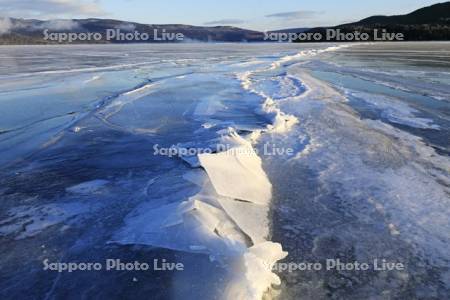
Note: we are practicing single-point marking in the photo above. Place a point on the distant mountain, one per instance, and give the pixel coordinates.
(434, 14)
(425, 24)
(31, 31)
(428, 23)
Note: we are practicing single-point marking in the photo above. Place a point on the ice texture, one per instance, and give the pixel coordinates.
(28, 221)
(369, 176)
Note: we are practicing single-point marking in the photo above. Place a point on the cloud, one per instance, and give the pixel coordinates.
(49, 8)
(301, 14)
(126, 27)
(59, 25)
(5, 25)
(225, 22)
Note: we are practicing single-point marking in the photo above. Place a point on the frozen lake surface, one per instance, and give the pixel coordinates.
(230, 159)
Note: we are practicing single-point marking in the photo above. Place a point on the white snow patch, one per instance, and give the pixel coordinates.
(28, 221)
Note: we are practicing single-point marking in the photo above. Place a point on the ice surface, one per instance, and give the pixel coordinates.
(124, 99)
(281, 122)
(28, 221)
(253, 274)
(237, 173)
(395, 110)
(228, 217)
(208, 106)
(369, 160)
(352, 180)
(192, 226)
(252, 219)
(88, 187)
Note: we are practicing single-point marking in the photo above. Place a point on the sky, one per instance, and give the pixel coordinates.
(262, 15)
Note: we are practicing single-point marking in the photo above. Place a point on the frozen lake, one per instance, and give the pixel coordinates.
(231, 160)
